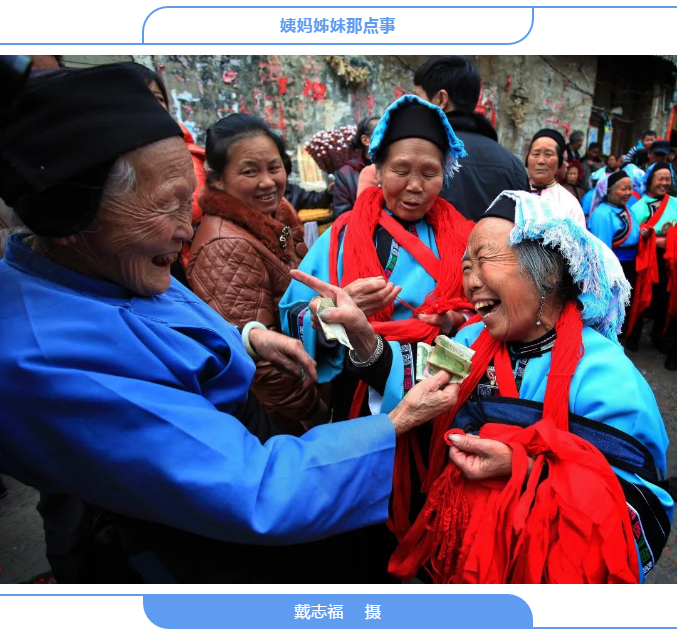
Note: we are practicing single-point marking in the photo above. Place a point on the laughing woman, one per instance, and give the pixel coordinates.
(553, 477)
(248, 240)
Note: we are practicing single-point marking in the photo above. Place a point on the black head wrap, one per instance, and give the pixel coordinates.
(413, 120)
(616, 178)
(655, 169)
(554, 135)
(68, 129)
(502, 207)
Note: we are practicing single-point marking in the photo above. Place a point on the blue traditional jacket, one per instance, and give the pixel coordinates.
(606, 388)
(612, 225)
(404, 270)
(127, 402)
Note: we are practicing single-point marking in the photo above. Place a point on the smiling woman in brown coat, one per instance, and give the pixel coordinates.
(249, 239)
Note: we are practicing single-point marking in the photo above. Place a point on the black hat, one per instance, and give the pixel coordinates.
(502, 207)
(413, 120)
(68, 129)
(616, 177)
(554, 135)
(660, 146)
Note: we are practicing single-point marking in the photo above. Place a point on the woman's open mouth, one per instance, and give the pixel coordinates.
(266, 198)
(487, 307)
(165, 260)
(410, 205)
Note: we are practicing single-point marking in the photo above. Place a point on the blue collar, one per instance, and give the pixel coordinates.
(21, 257)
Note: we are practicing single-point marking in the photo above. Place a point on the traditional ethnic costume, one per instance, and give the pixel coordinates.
(565, 202)
(654, 283)
(422, 256)
(619, 228)
(594, 508)
(140, 406)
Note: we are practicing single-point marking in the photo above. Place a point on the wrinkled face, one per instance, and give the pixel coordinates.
(542, 162)
(255, 174)
(572, 175)
(137, 235)
(157, 92)
(661, 183)
(648, 140)
(494, 283)
(620, 193)
(411, 177)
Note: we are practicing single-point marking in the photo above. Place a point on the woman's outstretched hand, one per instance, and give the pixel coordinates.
(426, 400)
(285, 353)
(346, 312)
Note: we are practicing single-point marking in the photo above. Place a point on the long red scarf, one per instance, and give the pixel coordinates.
(360, 260)
(568, 523)
(647, 272)
(670, 257)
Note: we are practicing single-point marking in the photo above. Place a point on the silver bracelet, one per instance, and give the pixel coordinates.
(376, 355)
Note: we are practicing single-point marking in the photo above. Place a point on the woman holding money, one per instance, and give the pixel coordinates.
(552, 475)
(396, 254)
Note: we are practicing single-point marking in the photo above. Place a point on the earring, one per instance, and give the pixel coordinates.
(541, 308)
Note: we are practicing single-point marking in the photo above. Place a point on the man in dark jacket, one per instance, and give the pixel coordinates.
(453, 83)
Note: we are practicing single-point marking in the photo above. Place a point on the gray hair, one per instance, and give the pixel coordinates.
(121, 180)
(575, 136)
(546, 268)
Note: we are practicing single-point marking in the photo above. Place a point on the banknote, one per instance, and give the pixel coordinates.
(423, 351)
(446, 354)
(333, 331)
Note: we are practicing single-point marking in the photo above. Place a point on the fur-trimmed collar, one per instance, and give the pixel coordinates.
(267, 229)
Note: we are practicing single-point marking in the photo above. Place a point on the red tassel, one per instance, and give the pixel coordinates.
(360, 260)
(567, 524)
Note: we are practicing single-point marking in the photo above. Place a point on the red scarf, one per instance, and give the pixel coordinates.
(670, 257)
(360, 260)
(646, 268)
(568, 523)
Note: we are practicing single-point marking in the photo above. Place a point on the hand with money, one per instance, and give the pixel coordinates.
(343, 316)
(446, 355)
(424, 401)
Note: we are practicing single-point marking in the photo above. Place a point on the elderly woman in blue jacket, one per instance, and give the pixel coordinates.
(124, 389)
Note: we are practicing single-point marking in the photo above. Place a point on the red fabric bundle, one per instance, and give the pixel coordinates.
(568, 523)
(670, 257)
(646, 269)
(360, 260)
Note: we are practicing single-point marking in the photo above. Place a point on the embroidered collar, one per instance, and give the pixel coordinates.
(534, 348)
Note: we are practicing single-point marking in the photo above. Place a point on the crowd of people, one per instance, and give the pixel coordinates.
(170, 390)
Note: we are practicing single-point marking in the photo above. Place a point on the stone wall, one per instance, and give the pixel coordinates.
(302, 94)
(298, 95)
(527, 93)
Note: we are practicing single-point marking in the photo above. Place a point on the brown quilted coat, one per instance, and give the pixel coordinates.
(240, 268)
